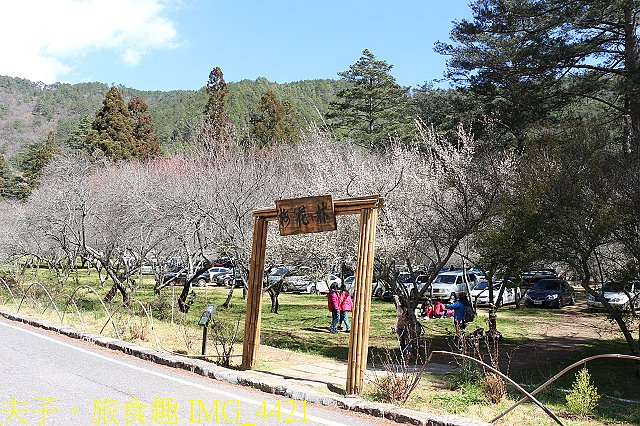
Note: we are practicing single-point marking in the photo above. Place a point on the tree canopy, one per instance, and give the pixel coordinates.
(373, 106)
(112, 130)
(532, 57)
(217, 124)
(121, 132)
(275, 121)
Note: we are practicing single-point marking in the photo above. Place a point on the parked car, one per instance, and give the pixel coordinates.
(299, 280)
(227, 278)
(550, 293)
(209, 276)
(277, 274)
(420, 281)
(480, 294)
(148, 269)
(350, 283)
(322, 286)
(175, 277)
(450, 283)
(533, 276)
(620, 295)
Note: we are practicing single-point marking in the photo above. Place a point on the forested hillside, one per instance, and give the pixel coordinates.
(30, 110)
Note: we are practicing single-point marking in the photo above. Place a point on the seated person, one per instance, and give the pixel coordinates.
(426, 311)
(439, 311)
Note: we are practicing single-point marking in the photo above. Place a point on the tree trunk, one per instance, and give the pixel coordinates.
(274, 300)
(632, 68)
(229, 296)
(408, 329)
(111, 293)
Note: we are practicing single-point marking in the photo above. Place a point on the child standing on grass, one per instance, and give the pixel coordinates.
(346, 305)
(334, 306)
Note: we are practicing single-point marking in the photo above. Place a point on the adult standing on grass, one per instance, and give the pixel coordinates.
(458, 311)
(346, 305)
(334, 306)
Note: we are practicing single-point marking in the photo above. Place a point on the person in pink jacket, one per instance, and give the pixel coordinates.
(333, 300)
(346, 306)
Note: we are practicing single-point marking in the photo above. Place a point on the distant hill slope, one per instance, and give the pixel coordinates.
(30, 110)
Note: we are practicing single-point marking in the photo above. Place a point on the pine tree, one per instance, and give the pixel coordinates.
(529, 59)
(373, 107)
(112, 130)
(217, 126)
(275, 121)
(144, 136)
(37, 156)
(78, 136)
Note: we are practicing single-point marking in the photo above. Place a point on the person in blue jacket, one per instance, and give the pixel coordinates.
(458, 310)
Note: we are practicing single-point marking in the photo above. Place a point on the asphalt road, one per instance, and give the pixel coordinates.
(50, 379)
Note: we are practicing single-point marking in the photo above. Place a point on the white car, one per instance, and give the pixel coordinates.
(451, 283)
(480, 294)
(420, 281)
(322, 286)
(620, 295)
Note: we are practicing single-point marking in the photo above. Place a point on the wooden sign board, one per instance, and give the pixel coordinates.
(306, 215)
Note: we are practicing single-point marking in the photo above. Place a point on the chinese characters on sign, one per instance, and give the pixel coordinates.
(306, 215)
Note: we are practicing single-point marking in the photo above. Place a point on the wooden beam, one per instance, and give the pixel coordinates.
(253, 318)
(359, 337)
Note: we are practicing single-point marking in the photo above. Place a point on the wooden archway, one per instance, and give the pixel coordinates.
(366, 207)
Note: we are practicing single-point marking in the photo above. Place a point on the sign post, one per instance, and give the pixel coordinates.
(204, 322)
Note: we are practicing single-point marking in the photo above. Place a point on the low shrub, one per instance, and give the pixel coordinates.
(583, 398)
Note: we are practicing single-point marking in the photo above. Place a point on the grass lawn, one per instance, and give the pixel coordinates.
(537, 343)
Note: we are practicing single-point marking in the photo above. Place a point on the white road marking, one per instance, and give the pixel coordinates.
(164, 376)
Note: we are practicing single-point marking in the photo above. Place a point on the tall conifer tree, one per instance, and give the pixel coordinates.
(112, 129)
(373, 107)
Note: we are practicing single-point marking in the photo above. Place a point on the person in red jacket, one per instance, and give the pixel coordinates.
(439, 310)
(346, 306)
(334, 306)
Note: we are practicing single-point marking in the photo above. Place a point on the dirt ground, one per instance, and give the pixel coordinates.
(556, 342)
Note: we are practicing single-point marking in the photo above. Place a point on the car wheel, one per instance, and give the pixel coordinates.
(559, 302)
(202, 282)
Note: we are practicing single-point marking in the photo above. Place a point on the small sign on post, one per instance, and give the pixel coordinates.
(306, 215)
(204, 322)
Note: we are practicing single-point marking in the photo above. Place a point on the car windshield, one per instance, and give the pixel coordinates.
(617, 287)
(482, 286)
(300, 272)
(447, 279)
(279, 271)
(546, 285)
(422, 278)
(405, 278)
(485, 285)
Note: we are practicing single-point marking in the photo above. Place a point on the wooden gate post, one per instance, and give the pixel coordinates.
(359, 337)
(253, 317)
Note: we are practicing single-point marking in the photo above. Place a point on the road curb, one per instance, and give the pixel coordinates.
(250, 379)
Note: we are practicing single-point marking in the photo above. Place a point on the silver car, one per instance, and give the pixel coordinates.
(620, 295)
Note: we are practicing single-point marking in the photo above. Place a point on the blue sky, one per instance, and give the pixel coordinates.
(173, 44)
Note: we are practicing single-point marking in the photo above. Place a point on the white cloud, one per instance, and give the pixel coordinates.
(43, 38)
